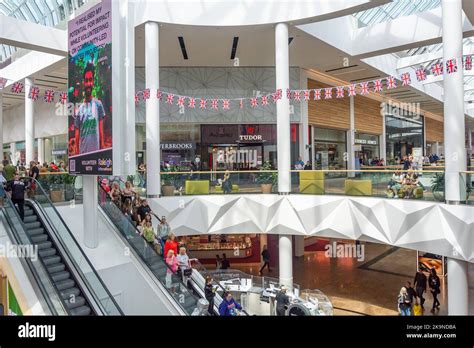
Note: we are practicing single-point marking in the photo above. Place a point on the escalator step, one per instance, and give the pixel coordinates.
(67, 293)
(83, 310)
(51, 260)
(29, 212)
(58, 267)
(65, 284)
(39, 238)
(32, 225)
(35, 231)
(30, 218)
(75, 302)
(47, 252)
(59, 276)
(45, 245)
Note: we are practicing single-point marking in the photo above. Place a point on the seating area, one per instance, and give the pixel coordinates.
(312, 182)
(358, 187)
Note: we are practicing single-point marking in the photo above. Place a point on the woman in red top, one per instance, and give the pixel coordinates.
(171, 244)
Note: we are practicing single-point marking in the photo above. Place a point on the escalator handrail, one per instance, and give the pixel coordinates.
(76, 266)
(38, 279)
(108, 200)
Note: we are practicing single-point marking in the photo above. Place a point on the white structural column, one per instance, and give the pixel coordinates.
(454, 143)
(90, 199)
(285, 253)
(29, 124)
(282, 69)
(383, 141)
(41, 150)
(351, 138)
(13, 153)
(152, 78)
(458, 287)
(304, 141)
(299, 246)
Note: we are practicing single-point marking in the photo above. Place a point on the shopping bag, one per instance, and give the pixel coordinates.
(417, 309)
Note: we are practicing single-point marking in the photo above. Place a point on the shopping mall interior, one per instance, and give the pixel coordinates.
(307, 158)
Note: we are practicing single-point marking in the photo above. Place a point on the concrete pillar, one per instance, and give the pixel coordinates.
(351, 139)
(304, 141)
(458, 287)
(152, 78)
(313, 149)
(285, 251)
(13, 153)
(47, 150)
(383, 142)
(90, 202)
(282, 69)
(41, 150)
(29, 125)
(454, 129)
(299, 246)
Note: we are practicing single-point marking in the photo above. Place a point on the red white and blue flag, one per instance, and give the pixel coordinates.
(202, 104)
(288, 93)
(406, 79)
(377, 85)
(63, 97)
(137, 98)
(146, 94)
(48, 96)
(391, 82)
(468, 62)
(264, 100)
(451, 66)
(340, 92)
(3, 82)
(437, 69)
(34, 93)
(306, 94)
(191, 103)
(297, 95)
(214, 105)
(351, 90)
(180, 101)
(364, 88)
(159, 94)
(327, 93)
(421, 74)
(17, 87)
(317, 94)
(253, 102)
(170, 98)
(225, 104)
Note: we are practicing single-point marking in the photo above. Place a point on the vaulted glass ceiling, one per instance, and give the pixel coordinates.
(394, 9)
(45, 12)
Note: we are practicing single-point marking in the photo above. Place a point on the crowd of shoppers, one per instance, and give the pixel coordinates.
(411, 300)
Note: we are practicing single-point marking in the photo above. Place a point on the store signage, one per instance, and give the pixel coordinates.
(364, 141)
(59, 152)
(177, 146)
(250, 137)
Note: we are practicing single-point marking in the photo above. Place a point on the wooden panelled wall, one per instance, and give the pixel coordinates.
(434, 130)
(334, 113)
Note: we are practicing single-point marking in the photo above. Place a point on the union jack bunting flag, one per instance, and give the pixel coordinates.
(306, 94)
(17, 87)
(214, 105)
(364, 88)
(180, 101)
(406, 79)
(317, 94)
(159, 94)
(339, 92)
(225, 104)
(241, 104)
(288, 93)
(191, 103)
(327, 93)
(421, 74)
(34, 93)
(451, 66)
(137, 98)
(146, 94)
(468, 62)
(48, 96)
(391, 82)
(3, 82)
(437, 69)
(63, 97)
(351, 90)
(264, 100)
(202, 103)
(275, 97)
(170, 98)
(377, 85)
(253, 102)
(297, 95)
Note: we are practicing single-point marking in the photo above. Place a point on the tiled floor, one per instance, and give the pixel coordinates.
(369, 287)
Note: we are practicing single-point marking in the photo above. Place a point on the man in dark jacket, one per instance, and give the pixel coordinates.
(209, 293)
(265, 259)
(411, 293)
(17, 188)
(420, 286)
(283, 301)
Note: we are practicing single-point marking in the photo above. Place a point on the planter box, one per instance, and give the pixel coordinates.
(266, 188)
(57, 195)
(168, 190)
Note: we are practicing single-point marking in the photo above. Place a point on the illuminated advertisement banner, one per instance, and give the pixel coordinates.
(90, 91)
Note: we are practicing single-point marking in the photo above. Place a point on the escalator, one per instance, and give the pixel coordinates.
(63, 270)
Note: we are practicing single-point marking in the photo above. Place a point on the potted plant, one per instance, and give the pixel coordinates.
(266, 179)
(69, 186)
(56, 188)
(437, 187)
(168, 181)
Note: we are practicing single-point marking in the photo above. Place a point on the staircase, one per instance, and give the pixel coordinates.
(59, 272)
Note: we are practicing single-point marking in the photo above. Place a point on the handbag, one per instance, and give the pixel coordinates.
(188, 272)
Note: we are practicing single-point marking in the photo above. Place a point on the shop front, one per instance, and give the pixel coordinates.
(367, 148)
(329, 148)
(403, 133)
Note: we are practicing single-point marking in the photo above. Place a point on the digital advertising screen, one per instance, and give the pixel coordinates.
(90, 91)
